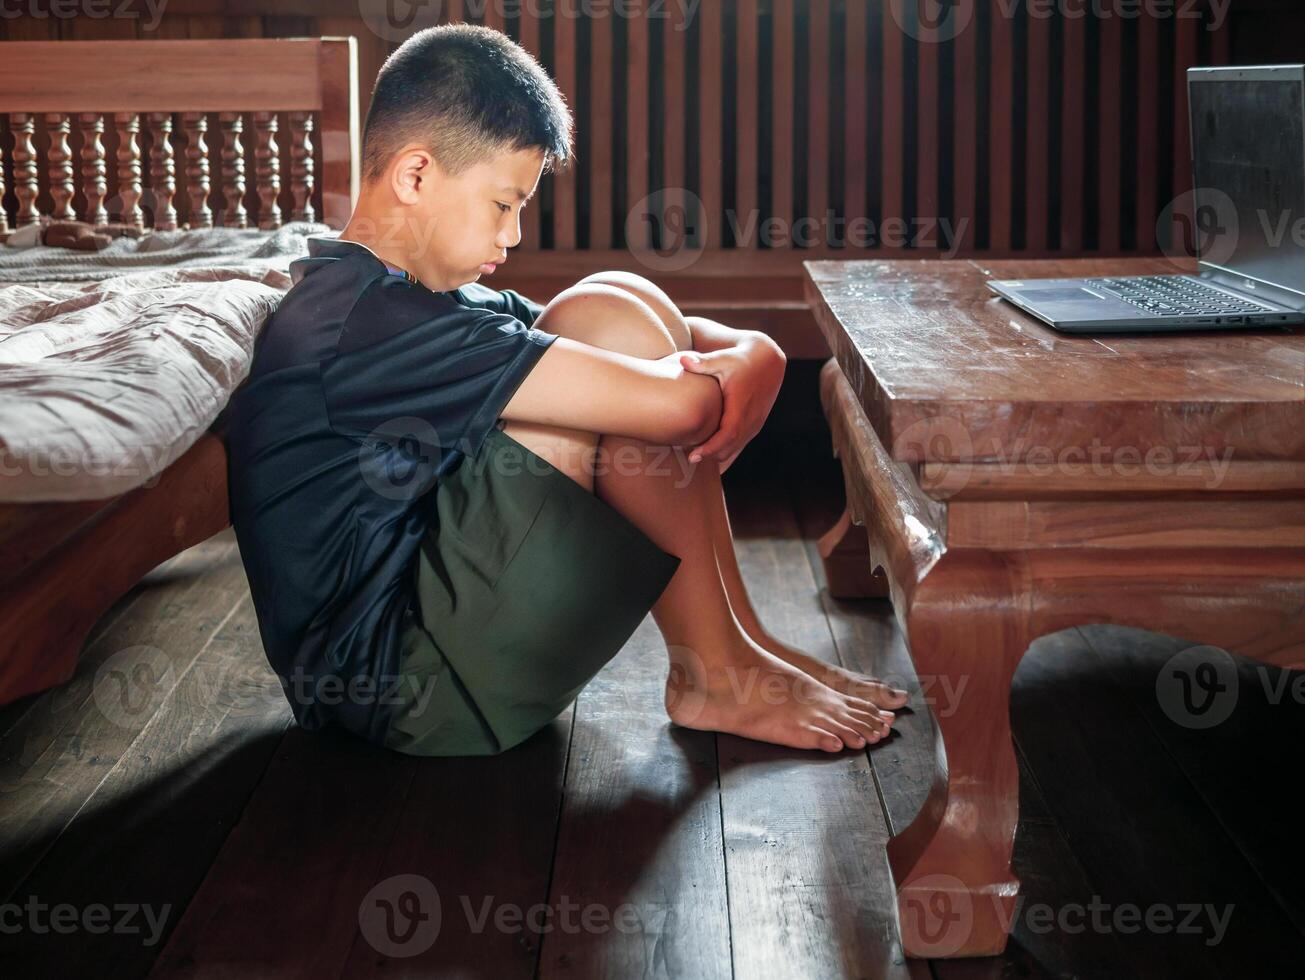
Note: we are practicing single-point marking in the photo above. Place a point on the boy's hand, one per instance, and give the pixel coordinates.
(750, 374)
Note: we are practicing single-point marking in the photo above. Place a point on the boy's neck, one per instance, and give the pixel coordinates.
(388, 236)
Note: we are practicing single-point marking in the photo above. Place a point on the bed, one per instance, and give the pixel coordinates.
(116, 365)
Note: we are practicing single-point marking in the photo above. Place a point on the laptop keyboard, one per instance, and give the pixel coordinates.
(1175, 296)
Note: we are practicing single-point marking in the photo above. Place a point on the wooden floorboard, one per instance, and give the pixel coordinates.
(640, 838)
(809, 881)
(1227, 740)
(1136, 823)
(868, 639)
(278, 851)
(68, 746)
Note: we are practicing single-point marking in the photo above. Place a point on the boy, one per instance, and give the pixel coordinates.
(440, 558)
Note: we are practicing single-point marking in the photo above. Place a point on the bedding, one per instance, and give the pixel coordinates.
(113, 363)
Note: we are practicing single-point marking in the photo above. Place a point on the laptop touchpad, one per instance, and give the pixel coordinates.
(1059, 294)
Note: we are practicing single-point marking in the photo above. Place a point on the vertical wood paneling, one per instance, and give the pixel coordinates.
(531, 221)
(817, 127)
(495, 15)
(710, 136)
(1037, 188)
(1149, 131)
(564, 183)
(926, 136)
(1110, 134)
(601, 132)
(1185, 56)
(782, 132)
(746, 181)
(892, 122)
(1073, 131)
(856, 93)
(1001, 150)
(673, 122)
(965, 146)
(764, 88)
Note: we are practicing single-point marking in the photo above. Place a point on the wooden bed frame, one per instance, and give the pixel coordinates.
(65, 564)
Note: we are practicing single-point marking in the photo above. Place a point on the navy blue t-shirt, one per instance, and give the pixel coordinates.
(365, 388)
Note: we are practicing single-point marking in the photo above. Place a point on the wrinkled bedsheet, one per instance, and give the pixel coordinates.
(104, 384)
(114, 363)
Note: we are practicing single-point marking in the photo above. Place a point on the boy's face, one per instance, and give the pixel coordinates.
(461, 223)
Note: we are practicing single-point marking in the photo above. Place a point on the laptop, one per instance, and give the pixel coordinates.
(1248, 163)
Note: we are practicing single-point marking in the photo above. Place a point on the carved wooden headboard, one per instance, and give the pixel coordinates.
(191, 102)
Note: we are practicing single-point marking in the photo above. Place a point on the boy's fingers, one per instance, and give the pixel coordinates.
(717, 445)
(697, 364)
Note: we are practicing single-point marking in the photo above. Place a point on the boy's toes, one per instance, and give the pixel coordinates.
(883, 695)
(827, 740)
(871, 723)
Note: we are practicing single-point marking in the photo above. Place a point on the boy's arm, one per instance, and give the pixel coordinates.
(584, 387)
(708, 336)
(749, 366)
(507, 301)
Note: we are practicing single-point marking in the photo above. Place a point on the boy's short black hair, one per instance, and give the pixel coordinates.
(466, 92)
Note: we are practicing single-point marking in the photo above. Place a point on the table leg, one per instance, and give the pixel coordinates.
(967, 629)
(849, 571)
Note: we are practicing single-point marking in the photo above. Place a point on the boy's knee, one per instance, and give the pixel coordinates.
(606, 316)
(654, 296)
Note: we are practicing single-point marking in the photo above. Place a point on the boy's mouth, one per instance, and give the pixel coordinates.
(489, 267)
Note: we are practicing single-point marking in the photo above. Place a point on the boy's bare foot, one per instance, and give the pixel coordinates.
(839, 678)
(752, 693)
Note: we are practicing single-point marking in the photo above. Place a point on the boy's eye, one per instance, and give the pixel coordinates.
(503, 207)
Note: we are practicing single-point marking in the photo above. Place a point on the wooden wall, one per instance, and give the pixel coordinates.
(1021, 134)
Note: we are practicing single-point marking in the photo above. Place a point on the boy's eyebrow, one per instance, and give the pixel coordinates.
(521, 195)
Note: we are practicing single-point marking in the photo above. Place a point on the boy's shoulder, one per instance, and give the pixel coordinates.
(342, 297)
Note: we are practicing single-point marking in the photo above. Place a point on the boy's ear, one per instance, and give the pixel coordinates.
(412, 166)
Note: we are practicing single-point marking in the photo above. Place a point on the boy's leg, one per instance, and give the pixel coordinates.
(740, 603)
(721, 680)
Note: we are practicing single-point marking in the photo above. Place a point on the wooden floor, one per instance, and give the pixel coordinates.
(164, 797)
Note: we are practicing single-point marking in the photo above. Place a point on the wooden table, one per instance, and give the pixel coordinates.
(1005, 481)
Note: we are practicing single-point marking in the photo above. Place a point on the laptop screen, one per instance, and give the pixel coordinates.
(1248, 146)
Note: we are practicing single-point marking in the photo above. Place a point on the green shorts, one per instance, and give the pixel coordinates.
(527, 585)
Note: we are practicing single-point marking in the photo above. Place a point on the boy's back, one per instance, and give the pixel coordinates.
(365, 389)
